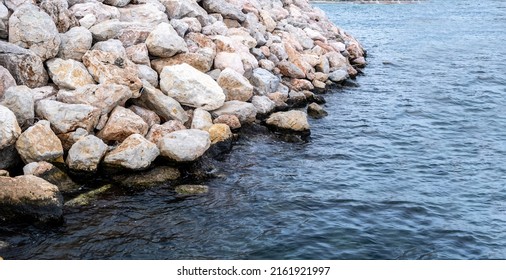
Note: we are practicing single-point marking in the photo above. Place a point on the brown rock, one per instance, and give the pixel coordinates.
(121, 124)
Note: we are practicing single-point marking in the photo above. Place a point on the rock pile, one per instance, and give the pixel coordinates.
(120, 83)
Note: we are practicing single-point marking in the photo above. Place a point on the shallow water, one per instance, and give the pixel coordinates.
(408, 165)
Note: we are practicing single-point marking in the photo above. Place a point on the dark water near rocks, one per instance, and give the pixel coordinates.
(409, 165)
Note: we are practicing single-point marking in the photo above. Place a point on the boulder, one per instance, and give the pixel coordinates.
(6, 81)
(33, 29)
(70, 138)
(229, 60)
(112, 45)
(39, 143)
(157, 131)
(338, 75)
(104, 96)
(75, 43)
(135, 153)
(264, 81)
(67, 117)
(121, 124)
(146, 73)
(29, 197)
(147, 13)
(9, 157)
(59, 12)
(226, 9)
(4, 21)
(234, 85)
(290, 70)
(220, 132)
(244, 111)
(117, 3)
(231, 120)
(97, 10)
(177, 9)
(202, 60)
(316, 111)
(25, 66)
(191, 87)
(155, 177)
(88, 197)
(150, 117)
(164, 41)
(138, 54)
(201, 119)
(19, 100)
(86, 154)
(184, 145)
(9, 128)
(129, 33)
(52, 174)
(69, 74)
(263, 104)
(294, 120)
(164, 106)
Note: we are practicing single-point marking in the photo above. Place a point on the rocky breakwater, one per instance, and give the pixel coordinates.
(88, 86)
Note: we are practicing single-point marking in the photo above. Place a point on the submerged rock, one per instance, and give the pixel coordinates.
(192, 189)
(87, 198)
(154, 177)
(316, 111)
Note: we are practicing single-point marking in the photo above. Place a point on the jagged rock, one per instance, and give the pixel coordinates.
(264, 81)
(67, 117)
(191, 87)
(98, 10)
(338, 75)
(33, 29)
(129, 33)
(191, 189)
(29, 197)
(86, 154)
(26, 67)
(121, 124)
(164, 41)
(164, 106)
(112, 45)
(9, 128)
(19, 100)
(39, 143)
(117, 3)
(138, 54)
(219, 132)
(69, 74)
(150, 117)
(316, 111)
(154, 177)
(104, 96)
(266, 64)
(148, 74)
(185, 8)
(263, 104)
(202, 60)
(52, 174)
(58, 10)
(134, 153)
(267, 20)
(75, 43)
(228, 10)
(184, 145)
(292, 121)
(145, 13)
(180, 26)
(234, 85)
(201, 119)
(4, 21)
(300, 85)
(6, 80)
(157, 131)
(217, 28)
(244, 111)
(88, 21)
(231, 120)
(15, 4)
(290, 70)
(47, 92)
(70, 138)
(107, 67)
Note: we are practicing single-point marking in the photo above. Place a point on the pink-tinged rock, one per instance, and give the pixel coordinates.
(121, 124)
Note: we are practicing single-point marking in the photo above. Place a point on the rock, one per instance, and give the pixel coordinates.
(15, 4)
(29, 197)
(70, 138)
(39, 143)
(246, 112)
(75, 43)
(164, 41)
(117, 3)
(290, 70)
(33, 29)
(157, 176)
(217, 28)
(138, 54)
(107, 67)
(224, 8)
(121, 124)
(263, 104)
(229, 60)
(86, 154)
(150, 117)
(9, 157)
(145, 13)
(164, 106)
(231, 120)
(264, 81)
(4, 173)
(157, 131)
(297, 99)
(292, 121)
(88, 21)
(98, 10)
(6, 81)
(112, 45)
(184, 145)
(201, 60)
(234, 85)
(316, 111)
(338, 75)
(19, 100)
(87, 198)
(201, 119)
(4, 21)
(266, 64)
(191, 87)
(67, 117)
(47, 92)
(191, 189)
(26, 67)
(193, 24)
(134, 153)
(9, 128)
(59, 12)
(52, 174)
(300, 85)
(267, 20)
(104, 96)
(177, 9)
(69, 73)
(219, 132)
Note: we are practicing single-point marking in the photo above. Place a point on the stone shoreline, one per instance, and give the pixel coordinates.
(139, 91)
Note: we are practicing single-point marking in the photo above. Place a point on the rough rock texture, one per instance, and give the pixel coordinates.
(39, 143)
(9, 128)
(264, 81)
(67, 117)
(19, 100)
(69, 74)
(157, 131)
(25, 66)
(59, 13)
(244, 111)
(4, 21)
(138, 54)
(201, 60)
(291, 120)
(191, 87)
(86, 154)
(164, 41)
(231, 120)
(97, 10)
(201, 119)
(151, 178)
(75, 43)
(150, 117)
(316, 111)
(121, 124)
(234, 85)
(53, 175)
(29, 197)
(219, 132)
(191, 189)
(166, 107)
(148, 13)
(134, 153)
(263, 104)
(6, 80)
(33, 29)
(184, 145)
(104, 96)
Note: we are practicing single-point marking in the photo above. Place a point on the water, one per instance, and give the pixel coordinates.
(408, 165)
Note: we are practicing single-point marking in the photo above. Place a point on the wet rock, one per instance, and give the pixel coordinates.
(121, 124)
(86, 154)
(104, 96)
(9, 128)
(231, 120)
(264, 81)
(263, 104)
(291, 121)
(157, 176)
(164, 106)
(6, 80)
(184, 145)
(25, 66)
(33, 29)
(88, 197)
(138, 54)
(191, 189)
(164, 41)
(59, 12)
(234, 85)
(69, 74)
(191, 87)
(67, 117)
(9, 157)
(75, 43)
(19, 100)
(220, 132)
(316, 111)
(135, 153)
(157, 131)
(39, 143)
(52, 174)
(244, 111)
(150, 117)
(201, 119)
(29, 197)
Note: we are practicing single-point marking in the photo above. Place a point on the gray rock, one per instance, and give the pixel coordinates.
(184, 145)
(9, 128)
(150, 117)
(26, 67)
(117, 3)
(6, 81)
(39, 143)
(244, 111)
(185, 8)
(234, 85)
(86, 154)
(134, 153)
(15, 4)
(121, 124)
(75, 43)
(4, 21)
(138, 54)
(164, 41)
(104, 96)
(263, 104)
(98, 10)
(164, 106)
(67, 117)
(157, 131)
(9, 157)
(112, 45)
(292, 121)
(316, 111)
(19, 100)
(264, 81)
(338, 75)
(148, 74)
(69, 74)
(224, 8)
(201, 119)
(145, 13)
(129, 33)
(53, 175)
(59, 12)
